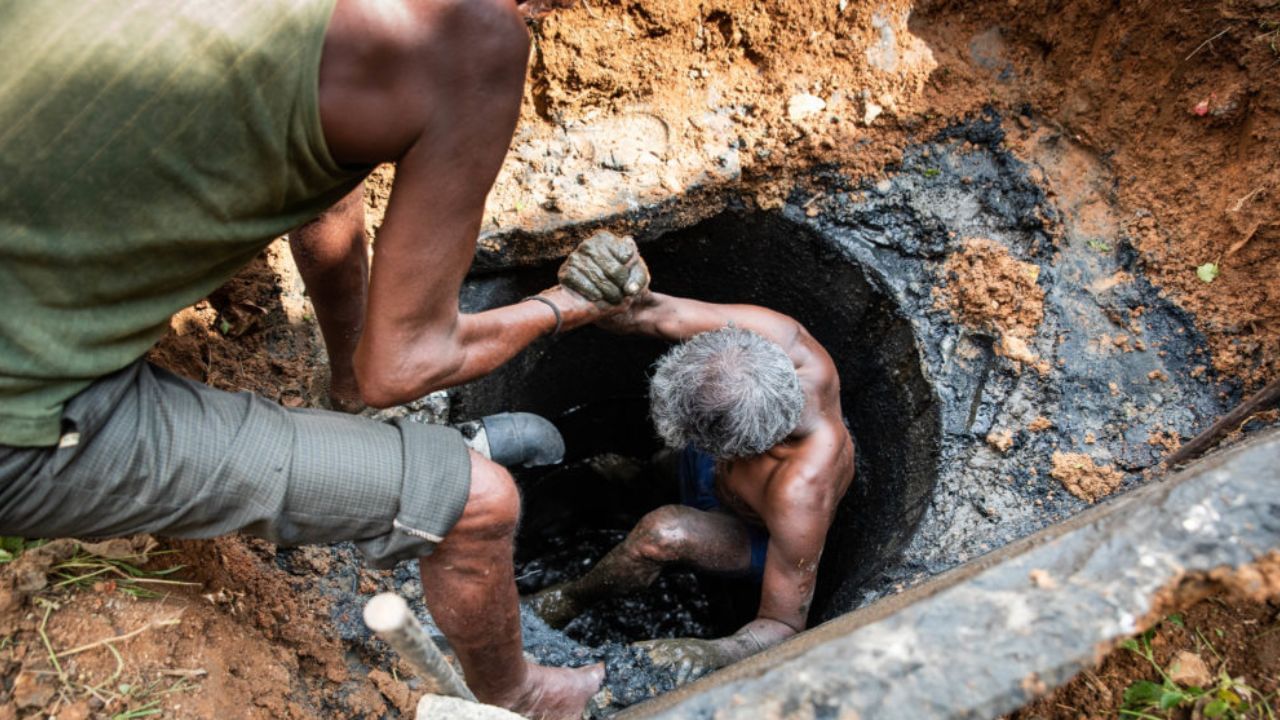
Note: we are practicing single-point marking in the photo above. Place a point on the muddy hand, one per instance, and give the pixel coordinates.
(605, 269)
(687, 658)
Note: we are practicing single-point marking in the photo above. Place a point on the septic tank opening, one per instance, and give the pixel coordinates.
(593, 385)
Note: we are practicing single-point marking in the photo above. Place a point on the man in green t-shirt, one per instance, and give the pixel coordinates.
(150, 149)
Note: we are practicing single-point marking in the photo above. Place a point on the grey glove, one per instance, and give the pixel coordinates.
(605, 268)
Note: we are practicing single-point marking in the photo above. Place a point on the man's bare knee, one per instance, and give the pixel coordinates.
(662, 535)
(493, 505)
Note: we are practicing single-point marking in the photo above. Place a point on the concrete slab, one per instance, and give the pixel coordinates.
(979, 640)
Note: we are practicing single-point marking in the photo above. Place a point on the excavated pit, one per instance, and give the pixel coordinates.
(864, 265)
(593, 385)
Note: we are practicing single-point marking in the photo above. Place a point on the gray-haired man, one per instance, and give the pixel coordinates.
(752, 403)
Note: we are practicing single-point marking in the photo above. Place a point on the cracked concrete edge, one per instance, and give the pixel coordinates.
(982, 639)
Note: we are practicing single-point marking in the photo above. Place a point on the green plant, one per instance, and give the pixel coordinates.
(1099, 245)
(931, 172)
(11, 547)
(1229, 698)
(84, 569)
(151, 708)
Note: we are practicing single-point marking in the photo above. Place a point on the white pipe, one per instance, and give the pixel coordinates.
(388, 615)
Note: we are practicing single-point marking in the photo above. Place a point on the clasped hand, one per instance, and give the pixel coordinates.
(606, 270)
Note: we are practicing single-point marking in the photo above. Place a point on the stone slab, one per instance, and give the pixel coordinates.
(977, 641)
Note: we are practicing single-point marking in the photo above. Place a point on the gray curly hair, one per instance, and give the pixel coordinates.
(728, 392)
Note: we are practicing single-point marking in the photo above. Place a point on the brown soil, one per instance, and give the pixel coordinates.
(255, 333)
(1117, 86)
(1124, 80)
(989, 290)
(1084, 479)
(1222, 621)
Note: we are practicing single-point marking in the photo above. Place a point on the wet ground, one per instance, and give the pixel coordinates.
(1109, 402)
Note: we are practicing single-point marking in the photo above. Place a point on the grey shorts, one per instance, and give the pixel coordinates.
(144, 450)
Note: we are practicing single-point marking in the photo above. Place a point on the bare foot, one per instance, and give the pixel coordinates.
(554, 606)
(552, 693)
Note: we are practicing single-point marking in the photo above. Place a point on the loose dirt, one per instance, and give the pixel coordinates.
(1177, 101)
(1083, 478)
(989, 290)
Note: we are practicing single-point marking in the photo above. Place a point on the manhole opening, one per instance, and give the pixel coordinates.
(593, 385)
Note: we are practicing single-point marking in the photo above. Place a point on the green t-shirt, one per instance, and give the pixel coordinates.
(148, 149)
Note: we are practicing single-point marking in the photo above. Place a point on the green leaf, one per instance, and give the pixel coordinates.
(1208, 272)
(5, 556)
(1217, 708)
(1099, 245)
(1129, 644)
(1142, 693)
(1176, 619)
(932, 172)
(1170, 699)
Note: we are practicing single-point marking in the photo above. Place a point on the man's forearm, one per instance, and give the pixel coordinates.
(670, 318)
(754, 637)
(478, 344)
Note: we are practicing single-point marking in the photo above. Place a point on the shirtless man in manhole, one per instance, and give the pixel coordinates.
(750, 403)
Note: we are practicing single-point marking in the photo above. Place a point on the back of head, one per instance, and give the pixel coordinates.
(730, 393)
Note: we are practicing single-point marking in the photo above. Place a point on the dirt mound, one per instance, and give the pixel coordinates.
(1083, 478)
(990, 291)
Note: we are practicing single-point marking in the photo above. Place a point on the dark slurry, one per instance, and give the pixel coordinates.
(674, 606)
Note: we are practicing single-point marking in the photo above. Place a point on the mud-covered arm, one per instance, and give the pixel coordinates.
(798, 513)
(801, 509)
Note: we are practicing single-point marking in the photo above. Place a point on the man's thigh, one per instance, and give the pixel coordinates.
(146, 451)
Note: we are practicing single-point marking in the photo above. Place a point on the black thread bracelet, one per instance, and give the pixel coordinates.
(554, 309)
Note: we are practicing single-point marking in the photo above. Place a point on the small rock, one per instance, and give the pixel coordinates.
(1188, 668)
(804, 105)
(1000, 440)
(29, 692)
(871, 112)
(1042, 579)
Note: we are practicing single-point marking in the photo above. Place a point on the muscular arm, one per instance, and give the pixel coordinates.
(801, 504)
(799, 513)
(677, 319)
(435, 86)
